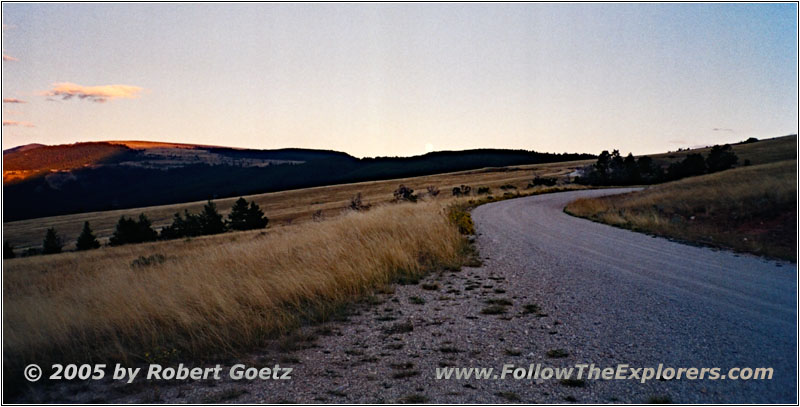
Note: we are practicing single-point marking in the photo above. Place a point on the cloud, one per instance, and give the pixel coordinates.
(9, 58)
(13, 100)
(721, 129)
(16, 123)
(99, 94)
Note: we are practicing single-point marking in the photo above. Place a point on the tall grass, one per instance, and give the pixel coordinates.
(751, 209)
(213, 295)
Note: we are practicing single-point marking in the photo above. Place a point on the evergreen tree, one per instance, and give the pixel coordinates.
(8, 251)
(210, 220)
(131, 231)
(87, 240)
(255, 217)
(237, 219)
(52, 242)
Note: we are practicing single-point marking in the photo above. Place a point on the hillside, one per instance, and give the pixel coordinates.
(99, 176)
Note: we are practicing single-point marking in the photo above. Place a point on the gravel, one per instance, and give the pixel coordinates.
(553, 289)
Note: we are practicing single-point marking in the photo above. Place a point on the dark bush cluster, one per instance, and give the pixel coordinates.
(357, 204)
(613, 169)
(433, 190)
(404, 193)
(542, 181)
(484, 190)
(463, 190)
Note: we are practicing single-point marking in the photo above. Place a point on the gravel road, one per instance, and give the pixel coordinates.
(625, 297)
(553, 290)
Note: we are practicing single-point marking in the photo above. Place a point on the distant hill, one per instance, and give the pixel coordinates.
(41, 180)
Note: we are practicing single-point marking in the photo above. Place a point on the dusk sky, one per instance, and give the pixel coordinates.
(401, 79)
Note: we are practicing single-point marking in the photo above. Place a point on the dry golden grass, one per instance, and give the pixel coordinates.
(751, 209)
(286, 207)
(216, 294)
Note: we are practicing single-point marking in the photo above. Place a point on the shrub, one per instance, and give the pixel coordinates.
(463, 220)
(150, 260)
(433, 190)
(462, 190)
(484, 190)
(357, 204)
(541, 181)
(131, 231)
(507, 186)
(52, 242)
(404, 193)
(87, 239)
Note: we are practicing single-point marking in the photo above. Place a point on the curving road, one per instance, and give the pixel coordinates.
(625, 297)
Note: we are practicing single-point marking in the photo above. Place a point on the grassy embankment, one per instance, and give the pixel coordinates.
(214, 295)
(751, 209)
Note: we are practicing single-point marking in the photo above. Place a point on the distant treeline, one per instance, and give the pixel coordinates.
(612, 169)
(122, 186)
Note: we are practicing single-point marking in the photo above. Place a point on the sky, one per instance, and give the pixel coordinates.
(401, 79)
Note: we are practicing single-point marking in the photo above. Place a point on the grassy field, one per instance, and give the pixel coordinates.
(751, 209)
(218, 294)
(287, 207)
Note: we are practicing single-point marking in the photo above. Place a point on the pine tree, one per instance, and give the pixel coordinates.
(87, 240)
(52, 242)
(255, 217)
(237, 219)
(8, 251)
(211, 220)
(131, 231)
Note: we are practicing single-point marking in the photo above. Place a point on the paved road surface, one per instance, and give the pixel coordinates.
(626, 297)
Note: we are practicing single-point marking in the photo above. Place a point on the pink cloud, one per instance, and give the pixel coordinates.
(13, 100)
(16, 123)
(100, 94)
(9, 58)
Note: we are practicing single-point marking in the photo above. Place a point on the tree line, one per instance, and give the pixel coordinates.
(243, 216)
(613, 169)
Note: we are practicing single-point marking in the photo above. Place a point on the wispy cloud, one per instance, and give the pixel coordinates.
(13, 100)
(721, 129)
(100, 94)
(17, 124)
(9, 58)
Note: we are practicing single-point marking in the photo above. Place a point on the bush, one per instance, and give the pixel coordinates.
(52, 242)
(462, 190)
(131, 231)
(356, 203)
(404, 193)
(542, 181)
(484, 190)
(87, 239)
(462, 219)
(507, 186)
(433, 190)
